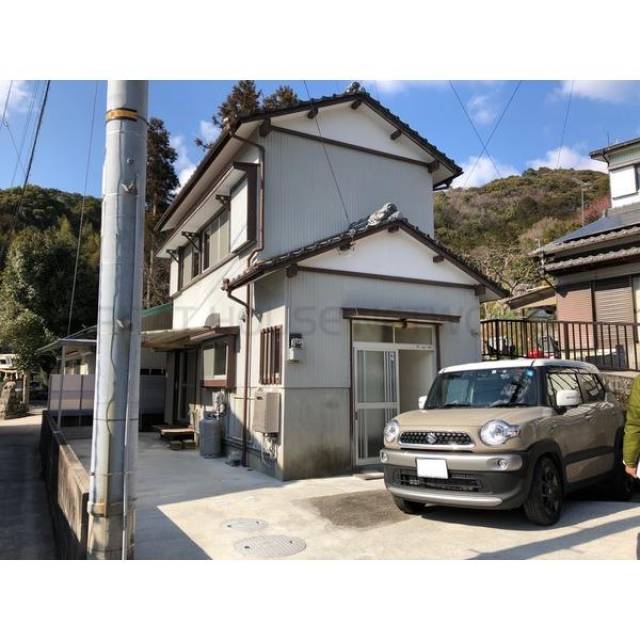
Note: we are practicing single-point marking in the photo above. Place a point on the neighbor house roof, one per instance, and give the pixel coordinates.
(601, 154)
(617, 255)
(538, 296)
(356, 231)
(360, 96)
(619, 222)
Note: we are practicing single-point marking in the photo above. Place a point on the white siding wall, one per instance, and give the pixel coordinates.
(624, 187)
(302, 203)
(317, 301)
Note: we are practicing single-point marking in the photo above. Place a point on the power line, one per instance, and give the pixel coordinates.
(24, 134)
(473, 126)
(326, 153)
(564, 125)
(18, 209)
(6, 104)
(495, 128)
(13, 144)
(82, 206)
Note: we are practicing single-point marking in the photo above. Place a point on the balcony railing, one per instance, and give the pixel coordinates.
(612, 346)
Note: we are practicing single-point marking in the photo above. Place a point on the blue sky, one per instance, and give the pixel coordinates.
(529, 134)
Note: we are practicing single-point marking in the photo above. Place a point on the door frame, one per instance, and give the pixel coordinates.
(394, 347)
(181, 364)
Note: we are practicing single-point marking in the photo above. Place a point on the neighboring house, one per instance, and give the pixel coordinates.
(71, 394)
(597, 267)
(537, 303)
(312, 319)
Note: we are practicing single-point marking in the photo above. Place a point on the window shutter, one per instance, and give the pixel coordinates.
(575, 306)
(614, 300)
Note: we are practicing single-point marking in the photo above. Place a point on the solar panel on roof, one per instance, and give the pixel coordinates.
(602, 225)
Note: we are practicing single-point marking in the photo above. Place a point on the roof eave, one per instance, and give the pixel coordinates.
(227, 134)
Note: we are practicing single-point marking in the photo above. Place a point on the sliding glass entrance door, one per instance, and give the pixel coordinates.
(376, 397)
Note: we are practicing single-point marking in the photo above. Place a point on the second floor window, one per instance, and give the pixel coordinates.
(215, 239)
(186, 265)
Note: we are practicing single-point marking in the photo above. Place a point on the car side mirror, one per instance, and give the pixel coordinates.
(566, 398)
(422, 402)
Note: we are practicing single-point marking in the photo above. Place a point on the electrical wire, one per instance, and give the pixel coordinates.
(564, 124)
(495, 128)
(475, 130)
(18, 209)
(326, 153)
(33, 149)
(25, 130)
(6, 104)
(82, 207)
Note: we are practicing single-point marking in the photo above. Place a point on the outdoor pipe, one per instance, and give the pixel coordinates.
(247, 305)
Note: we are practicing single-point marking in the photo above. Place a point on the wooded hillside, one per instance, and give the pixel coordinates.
(498, 224)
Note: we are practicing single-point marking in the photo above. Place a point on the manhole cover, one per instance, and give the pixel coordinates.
(270, 546)
(245, 524)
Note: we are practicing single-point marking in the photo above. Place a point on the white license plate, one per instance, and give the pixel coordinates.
(432, 468)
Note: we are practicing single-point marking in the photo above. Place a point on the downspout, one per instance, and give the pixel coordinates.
(247, 304)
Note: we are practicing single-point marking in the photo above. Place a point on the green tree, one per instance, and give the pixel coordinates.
(35, 286)
(243, 98)
(162, 182)
(284, 96)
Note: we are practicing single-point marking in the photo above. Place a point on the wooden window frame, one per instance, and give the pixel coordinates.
(271, 355)
(228, 381)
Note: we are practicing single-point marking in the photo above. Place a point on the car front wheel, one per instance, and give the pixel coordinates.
(408, 506)
(544, 502)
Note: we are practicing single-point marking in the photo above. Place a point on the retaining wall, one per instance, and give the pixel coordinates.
(67, 484)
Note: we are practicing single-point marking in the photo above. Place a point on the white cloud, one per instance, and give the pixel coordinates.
(208, 131)
(479, 171)
(615, 91)
(183, 164)
(570, 158)
(394, 87)
(18, 98)
(481, 109)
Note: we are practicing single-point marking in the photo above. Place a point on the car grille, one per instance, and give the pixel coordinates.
(437, 438)
(455, 482)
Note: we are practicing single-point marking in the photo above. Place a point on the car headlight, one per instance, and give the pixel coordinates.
(497, 432)
(391, 431)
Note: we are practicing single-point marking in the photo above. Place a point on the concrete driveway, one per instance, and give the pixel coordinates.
(189, 507)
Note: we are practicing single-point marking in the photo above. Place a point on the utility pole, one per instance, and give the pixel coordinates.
(115, 413)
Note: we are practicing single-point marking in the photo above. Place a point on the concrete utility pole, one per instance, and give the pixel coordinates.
(115, 413)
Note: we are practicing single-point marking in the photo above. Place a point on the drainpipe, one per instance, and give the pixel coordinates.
(247, 304)
(247, 360)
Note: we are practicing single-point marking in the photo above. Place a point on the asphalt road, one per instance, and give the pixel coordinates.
(25, 525)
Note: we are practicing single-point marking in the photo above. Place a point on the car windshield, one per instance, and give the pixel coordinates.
(499, 387)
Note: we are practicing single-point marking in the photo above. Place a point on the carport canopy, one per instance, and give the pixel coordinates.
(170, 339)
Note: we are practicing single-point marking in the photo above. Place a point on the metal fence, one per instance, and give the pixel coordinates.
(611, 346)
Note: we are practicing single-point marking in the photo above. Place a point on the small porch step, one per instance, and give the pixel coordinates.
(177, 433)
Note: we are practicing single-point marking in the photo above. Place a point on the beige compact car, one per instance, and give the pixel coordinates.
(507, 434)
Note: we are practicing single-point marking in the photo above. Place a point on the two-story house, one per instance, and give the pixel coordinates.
(316, 308)
(597, 267)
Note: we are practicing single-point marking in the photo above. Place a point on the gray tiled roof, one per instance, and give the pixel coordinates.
(357, 230)
(605, 256)
(348, 96)
(615, 218)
